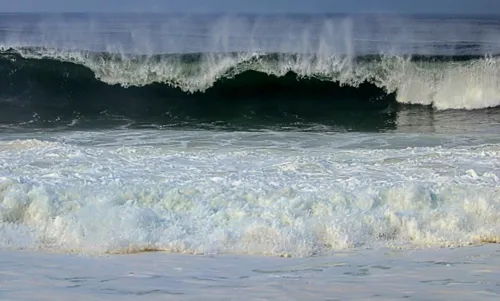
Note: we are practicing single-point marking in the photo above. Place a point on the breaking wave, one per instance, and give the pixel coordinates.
(445, 82)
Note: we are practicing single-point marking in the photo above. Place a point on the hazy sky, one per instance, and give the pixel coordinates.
(256, 6)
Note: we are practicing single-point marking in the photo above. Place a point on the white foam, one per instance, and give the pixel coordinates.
(261, 199)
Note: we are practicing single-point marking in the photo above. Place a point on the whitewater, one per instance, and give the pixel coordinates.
(300, 157)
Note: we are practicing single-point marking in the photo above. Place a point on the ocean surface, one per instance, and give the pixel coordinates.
(265, 157)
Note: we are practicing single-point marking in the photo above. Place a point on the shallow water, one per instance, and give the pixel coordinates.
(450, 274)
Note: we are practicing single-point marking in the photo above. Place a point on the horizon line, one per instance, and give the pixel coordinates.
(253, 13)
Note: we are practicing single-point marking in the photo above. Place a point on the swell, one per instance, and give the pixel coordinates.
(54, 84)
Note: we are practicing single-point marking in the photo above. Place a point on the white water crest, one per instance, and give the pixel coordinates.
(282, 194)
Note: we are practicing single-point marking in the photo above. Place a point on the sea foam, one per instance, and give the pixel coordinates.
(258, 200)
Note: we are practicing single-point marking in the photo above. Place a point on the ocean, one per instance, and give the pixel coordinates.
(265, 157)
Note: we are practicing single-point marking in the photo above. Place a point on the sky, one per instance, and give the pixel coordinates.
(256, 6)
